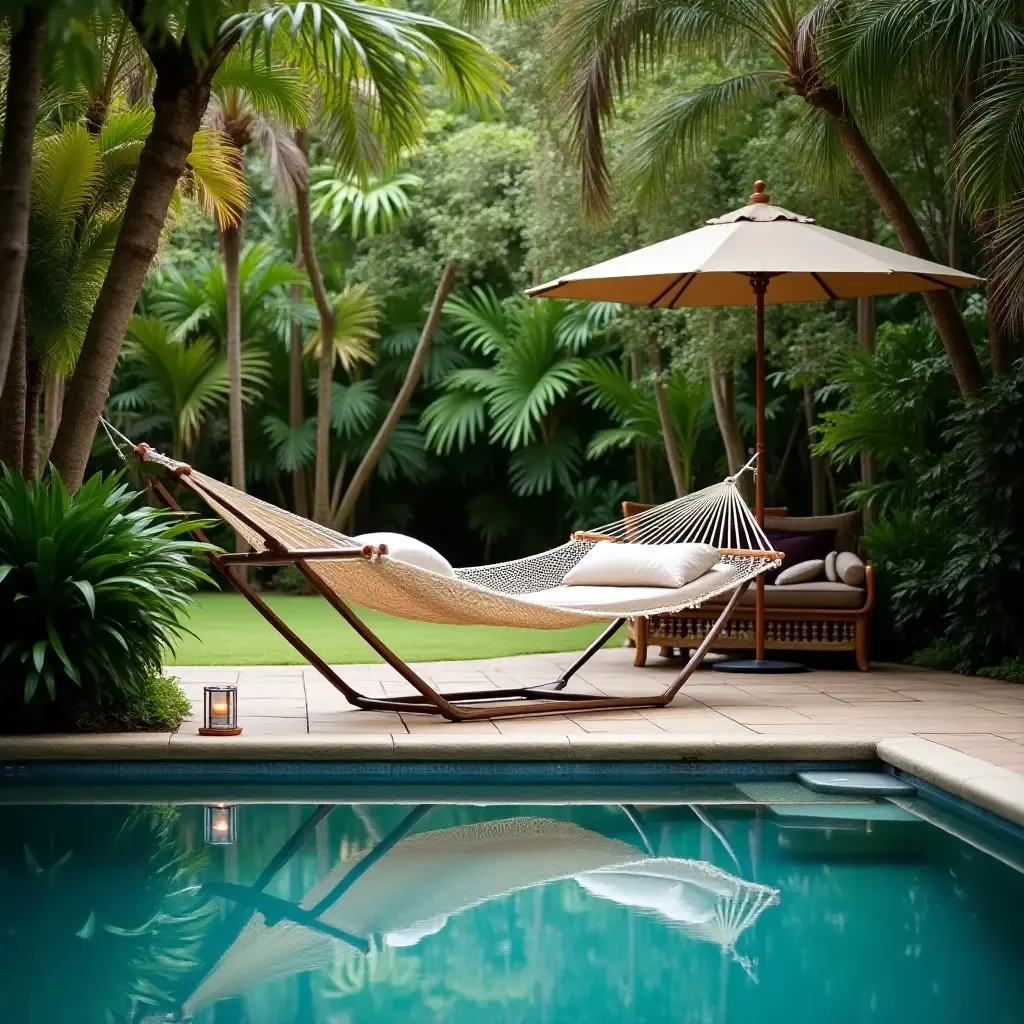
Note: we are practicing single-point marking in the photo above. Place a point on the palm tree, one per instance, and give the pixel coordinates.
(353, 211)
(176, 384)
(24, 81)
(248, 103)
(80, 184)
(970, 53)
(369, 54)
(607, 46)
(530, 354)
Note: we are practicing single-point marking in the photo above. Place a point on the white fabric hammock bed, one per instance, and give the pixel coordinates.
(527, 592)
(410, 885)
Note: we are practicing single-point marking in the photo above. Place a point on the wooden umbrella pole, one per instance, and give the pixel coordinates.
(759, 283)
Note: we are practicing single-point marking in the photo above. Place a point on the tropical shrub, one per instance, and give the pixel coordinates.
(99, 919)
(954, 558)
(159, 705)
(91, 588)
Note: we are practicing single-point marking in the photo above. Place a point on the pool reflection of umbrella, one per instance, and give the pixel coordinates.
(757, 255)
(418, 882)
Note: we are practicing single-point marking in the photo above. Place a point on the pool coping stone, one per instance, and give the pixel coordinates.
(995, 789)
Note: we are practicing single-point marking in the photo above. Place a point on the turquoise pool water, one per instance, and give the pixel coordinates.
(756, 903)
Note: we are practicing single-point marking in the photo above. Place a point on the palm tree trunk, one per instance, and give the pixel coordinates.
(231, 246)
(866, 330)
(819, 473)
(296, 403)
(402, 399)
(33, 393)
(325, 367)
(668, 432)
(24, 77)
(53, 405)
(1000, 331)
(12, 407)
(641, 453)
(179, 101)
(723, 397)
(941, 305)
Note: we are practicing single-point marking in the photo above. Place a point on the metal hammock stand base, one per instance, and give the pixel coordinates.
(463, 706)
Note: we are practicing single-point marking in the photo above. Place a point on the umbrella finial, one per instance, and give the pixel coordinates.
(759, 195)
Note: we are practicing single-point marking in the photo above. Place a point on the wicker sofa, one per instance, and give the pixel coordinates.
(819, 616)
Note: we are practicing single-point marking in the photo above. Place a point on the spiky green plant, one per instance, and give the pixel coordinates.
(91, 588)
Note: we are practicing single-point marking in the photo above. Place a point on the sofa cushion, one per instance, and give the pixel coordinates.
(830, 567)
(849, 568)
(802, 572)
(845, 526)
(797, 547)
(820, 594)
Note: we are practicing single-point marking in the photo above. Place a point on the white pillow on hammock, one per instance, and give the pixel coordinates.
(410, 550)
(608, 564)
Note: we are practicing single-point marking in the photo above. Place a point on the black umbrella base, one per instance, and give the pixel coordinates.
(764, 666)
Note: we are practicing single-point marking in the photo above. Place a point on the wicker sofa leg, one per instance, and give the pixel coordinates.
(863, 627)
(640, 634)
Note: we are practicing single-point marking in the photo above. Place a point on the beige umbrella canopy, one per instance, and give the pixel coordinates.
(715, 265)
(753, 256)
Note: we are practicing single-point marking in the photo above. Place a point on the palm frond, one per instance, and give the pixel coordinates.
(363, 211)
(65, 173)
(356, 312)
(673, 135)
(608, 45)
(293, 447)
(271, 90)
(217, 176)
(455, 420)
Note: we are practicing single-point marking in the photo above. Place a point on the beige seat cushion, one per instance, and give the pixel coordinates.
(820, 594)
(634, 600)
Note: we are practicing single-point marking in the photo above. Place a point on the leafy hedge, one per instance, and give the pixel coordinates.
(954, 558)
(91, 589)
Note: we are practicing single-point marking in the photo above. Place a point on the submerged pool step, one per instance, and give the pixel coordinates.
(855, 783)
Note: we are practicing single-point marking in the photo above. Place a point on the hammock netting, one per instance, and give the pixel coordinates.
(522, 592)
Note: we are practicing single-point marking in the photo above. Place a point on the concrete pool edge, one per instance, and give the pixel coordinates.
(988, 786)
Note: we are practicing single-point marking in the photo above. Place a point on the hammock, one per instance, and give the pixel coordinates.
(420, 882)
(525, 592)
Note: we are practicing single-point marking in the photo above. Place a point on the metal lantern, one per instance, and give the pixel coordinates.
(220, 825)
(220, 711)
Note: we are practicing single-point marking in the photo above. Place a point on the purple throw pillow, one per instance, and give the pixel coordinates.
(799, 547)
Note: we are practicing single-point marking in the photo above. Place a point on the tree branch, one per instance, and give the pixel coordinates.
(405, 393)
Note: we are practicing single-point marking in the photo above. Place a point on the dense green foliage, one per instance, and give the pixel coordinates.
(108, 889)
(91, 590)
(534, 417)
(952, 552)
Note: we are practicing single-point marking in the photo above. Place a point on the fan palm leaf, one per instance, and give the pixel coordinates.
(356, 313)
(190, 378)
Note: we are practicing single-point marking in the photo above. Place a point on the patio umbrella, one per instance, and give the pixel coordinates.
(757, 255)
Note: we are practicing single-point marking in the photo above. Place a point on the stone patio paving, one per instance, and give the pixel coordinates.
(979, 717)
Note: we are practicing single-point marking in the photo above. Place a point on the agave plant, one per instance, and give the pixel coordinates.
(91, 589)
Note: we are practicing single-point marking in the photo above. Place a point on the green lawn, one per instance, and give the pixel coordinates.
(230, 632)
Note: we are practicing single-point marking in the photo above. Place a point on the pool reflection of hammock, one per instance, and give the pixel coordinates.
(426, 879)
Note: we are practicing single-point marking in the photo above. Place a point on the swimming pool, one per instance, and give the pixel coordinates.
(706, 902)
